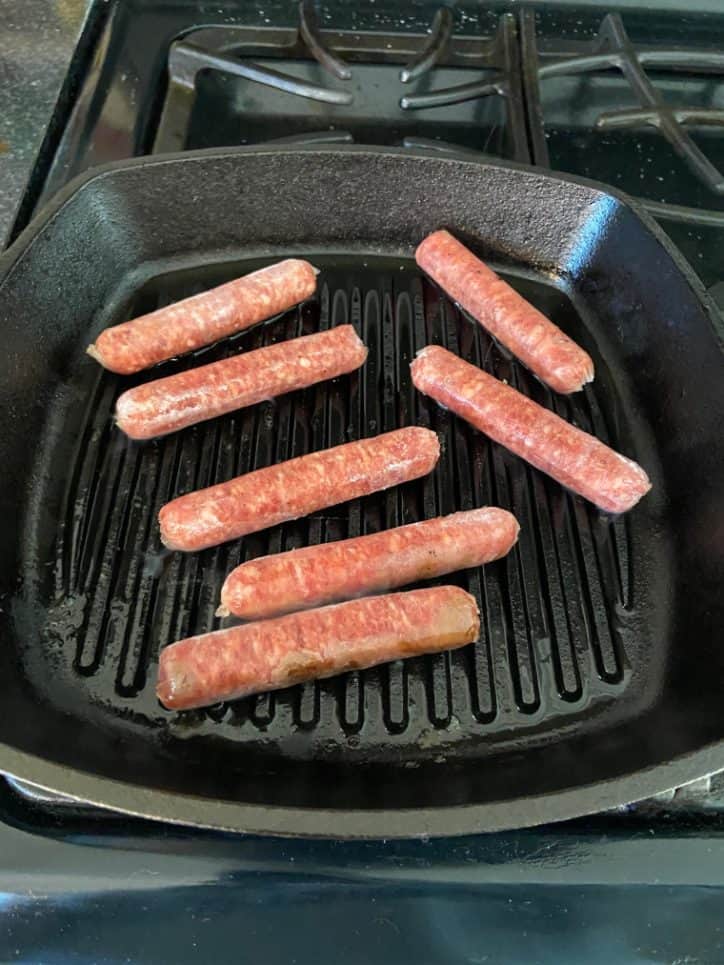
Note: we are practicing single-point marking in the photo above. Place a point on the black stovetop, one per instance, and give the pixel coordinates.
(641, 884)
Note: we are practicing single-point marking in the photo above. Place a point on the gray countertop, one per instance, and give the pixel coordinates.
(37, 39)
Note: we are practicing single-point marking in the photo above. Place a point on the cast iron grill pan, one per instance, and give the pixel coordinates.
(580, 622)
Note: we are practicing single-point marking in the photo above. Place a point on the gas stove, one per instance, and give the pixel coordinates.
(633, 99)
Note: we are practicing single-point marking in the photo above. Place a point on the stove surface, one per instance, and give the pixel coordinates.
(641, 884)
(104, 889)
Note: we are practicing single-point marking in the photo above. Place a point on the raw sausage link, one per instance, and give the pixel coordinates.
(205, 318)
(169, 404)
(572, 457)
(257, 657)
(528, 334)
(316, 575)
(296, 488)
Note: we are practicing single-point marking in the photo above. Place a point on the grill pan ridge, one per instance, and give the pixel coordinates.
(581, 648)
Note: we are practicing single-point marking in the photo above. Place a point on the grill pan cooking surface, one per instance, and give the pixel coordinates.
(120, 597)
(598, 657)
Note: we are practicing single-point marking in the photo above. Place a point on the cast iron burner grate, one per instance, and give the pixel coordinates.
(612, 48)
(225, 86)
(553, 612)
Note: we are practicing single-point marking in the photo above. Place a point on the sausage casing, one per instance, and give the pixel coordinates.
(271, 654)
(296, 488)
(166, 405)
(204, 318)
(515, 323)
(316, 575)
(571, 456)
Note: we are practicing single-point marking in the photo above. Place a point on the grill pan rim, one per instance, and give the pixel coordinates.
(349, 823)
(53, 208)
(464, 156)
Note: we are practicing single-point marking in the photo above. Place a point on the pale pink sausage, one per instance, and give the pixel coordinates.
(205, 318)
(271, 654)
(169, 404)
(515, 323)
(572, 457)
(296, 488)
(315, 575)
